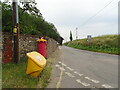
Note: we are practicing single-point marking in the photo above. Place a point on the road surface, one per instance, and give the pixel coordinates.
(85, 69)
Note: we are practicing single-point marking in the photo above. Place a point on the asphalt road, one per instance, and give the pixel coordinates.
(86, 69)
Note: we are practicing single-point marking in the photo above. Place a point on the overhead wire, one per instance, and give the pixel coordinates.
(96, 14)
(84, 23)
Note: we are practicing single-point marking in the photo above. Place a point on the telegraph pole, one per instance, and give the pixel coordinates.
(76, 33)
(16, 31)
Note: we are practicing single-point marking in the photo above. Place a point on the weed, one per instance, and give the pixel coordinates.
(14, 76)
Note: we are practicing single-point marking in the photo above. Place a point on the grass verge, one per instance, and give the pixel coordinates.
(45, 77)
(14, 76)
(105, 44)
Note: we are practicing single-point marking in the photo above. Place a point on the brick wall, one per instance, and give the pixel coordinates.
(27, 44)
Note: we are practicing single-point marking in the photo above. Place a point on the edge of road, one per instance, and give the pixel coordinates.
(56, 77)
(61, 72)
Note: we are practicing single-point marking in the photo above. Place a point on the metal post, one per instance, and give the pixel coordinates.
(16, 31)
(76, 33)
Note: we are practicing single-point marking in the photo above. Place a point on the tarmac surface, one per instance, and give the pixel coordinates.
(84, 69)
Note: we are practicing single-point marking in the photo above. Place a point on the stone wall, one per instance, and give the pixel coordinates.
(28, 43)
(51, 46)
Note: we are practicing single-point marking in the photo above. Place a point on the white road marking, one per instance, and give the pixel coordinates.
(64, 64)
(107, 86)
(78, 73)
(75, 72)
(59, 62)
(69, 74)
(57, 65)
(70, 69)
(83, 83)
(60, 78)
(95, 81)
(62, 69)
(59, 81)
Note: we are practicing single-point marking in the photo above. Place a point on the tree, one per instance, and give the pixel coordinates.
(31, 21)
(31, 8)
(71, 38)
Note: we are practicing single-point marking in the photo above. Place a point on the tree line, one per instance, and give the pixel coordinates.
(30, 19)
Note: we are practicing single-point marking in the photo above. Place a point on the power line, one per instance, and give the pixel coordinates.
(96, 13)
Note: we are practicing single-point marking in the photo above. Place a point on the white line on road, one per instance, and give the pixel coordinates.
(60, 78)
(59, 62)
(69, 74)
(107, 86)
(61, 68)
(64, 64)
(70, 68)
(95, 81)
(59, 81)
(57, 65)
(83, 83)
(75, 72)
(78, 73)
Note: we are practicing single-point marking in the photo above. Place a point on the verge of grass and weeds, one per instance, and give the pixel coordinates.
(14, 76)
(45, 77)
(105, 44)
(46, 73)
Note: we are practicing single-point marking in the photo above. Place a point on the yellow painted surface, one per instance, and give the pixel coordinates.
(15, 30)
(36, 63)
(43, 40)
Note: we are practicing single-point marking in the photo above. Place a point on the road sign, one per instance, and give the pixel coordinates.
(89, 38)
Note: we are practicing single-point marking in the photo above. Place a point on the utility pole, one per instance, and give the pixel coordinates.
(76, 33)
(16, 31)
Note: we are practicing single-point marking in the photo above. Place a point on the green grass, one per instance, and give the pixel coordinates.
(45, 76)
(105, 44)
(14, 76)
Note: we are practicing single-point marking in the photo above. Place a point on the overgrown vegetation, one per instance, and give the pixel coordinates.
(106, 44)
(14, 76)
(30, 19)
(45, 77)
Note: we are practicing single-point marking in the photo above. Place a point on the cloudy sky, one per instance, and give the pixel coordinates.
(67, 15)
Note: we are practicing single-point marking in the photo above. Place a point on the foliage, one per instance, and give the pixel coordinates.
(31, 8)
(71, 38)
(30, 20)
(6, 22)
(106, 44)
